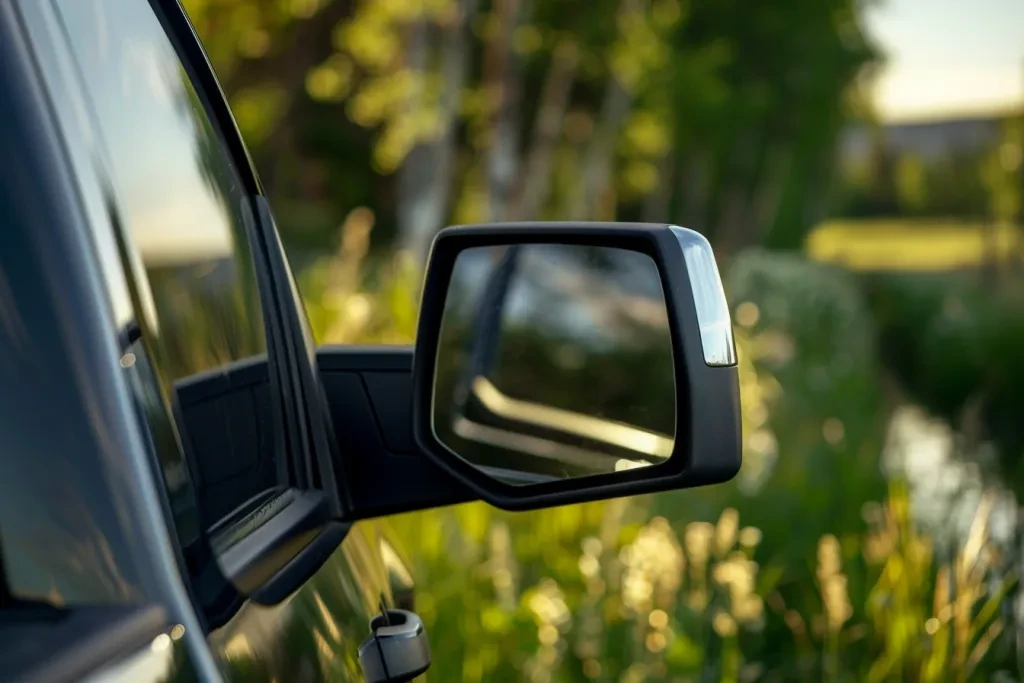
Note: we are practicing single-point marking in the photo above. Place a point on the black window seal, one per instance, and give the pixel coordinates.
(189, 47)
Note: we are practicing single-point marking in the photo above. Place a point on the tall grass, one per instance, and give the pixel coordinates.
(809, 568)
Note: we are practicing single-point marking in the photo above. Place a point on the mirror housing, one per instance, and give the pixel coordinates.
(707, 444)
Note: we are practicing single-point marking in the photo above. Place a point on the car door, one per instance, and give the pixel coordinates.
(89, 588)
(174, 213)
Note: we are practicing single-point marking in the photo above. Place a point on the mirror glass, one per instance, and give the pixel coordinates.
(555, 361)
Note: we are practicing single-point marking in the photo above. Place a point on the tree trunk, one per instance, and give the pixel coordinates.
(534, 183)
(425, 178)
(598, 158)
(307, 43)
(656, 204)
(596, 165)
(694, 181)
(768, 197)
(735, 214)
(501, 73)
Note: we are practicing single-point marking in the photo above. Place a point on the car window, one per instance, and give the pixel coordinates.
(168, 209)
(180, 194)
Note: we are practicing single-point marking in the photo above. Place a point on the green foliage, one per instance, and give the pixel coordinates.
(394, 117)
(719, 115)
(349, 300)
(1001, 173)
(911, 184)
(974, 176)
(793, 572)
(902, 245)
(963, 598)
(952, 340)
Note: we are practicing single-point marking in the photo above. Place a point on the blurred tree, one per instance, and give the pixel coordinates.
(1001, 174)
(715, 115)
(953, 169)
(911, 184)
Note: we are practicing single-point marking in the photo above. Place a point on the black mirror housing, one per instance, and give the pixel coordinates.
(707, 445)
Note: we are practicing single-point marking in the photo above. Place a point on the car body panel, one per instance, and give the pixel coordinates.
(94, 545)
(315, 633)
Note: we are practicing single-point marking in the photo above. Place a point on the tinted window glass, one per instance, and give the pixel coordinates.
(180, 195)
(169, 210)
(66, 537)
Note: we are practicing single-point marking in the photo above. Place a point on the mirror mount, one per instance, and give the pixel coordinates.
(707, 446)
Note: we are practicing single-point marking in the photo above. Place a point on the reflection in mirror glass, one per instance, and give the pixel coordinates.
(555, 361)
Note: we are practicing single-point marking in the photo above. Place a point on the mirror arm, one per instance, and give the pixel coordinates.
(369, 396)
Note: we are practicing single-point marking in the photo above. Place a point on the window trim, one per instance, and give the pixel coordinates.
(309, 432)
(306, 446)
(282, 374)
(189, 49)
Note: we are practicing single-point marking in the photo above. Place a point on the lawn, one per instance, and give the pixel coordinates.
(911, 245)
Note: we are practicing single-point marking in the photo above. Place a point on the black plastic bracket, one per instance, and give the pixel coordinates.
(369, 394)
(368, 390)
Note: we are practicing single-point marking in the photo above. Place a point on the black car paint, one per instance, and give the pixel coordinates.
(66, 481)
(95, 486)
(107, 557)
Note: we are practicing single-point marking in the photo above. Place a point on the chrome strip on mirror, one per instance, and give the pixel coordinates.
(713, 317)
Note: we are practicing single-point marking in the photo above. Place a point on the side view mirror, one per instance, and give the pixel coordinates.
(564, 362)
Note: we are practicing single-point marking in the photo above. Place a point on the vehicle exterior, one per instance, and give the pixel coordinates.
(129, 200)
(190, 486)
